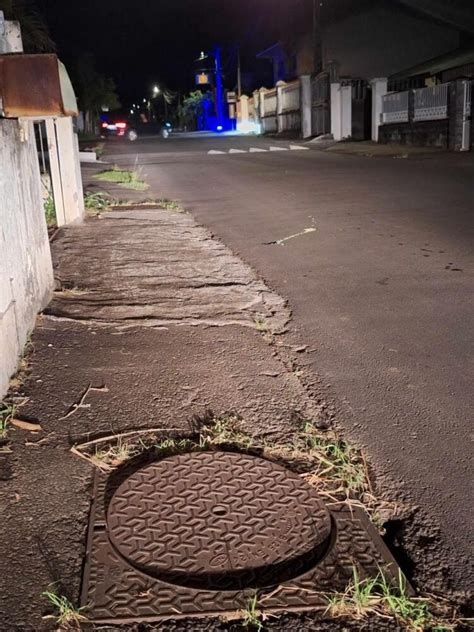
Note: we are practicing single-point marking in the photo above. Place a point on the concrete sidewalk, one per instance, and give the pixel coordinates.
(153, 323)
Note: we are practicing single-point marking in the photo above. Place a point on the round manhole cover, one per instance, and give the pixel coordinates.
(218, 520)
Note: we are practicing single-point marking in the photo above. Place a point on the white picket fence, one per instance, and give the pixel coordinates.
(431, 103)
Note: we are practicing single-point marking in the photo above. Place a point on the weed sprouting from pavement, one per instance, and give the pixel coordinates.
(251, 615)
(380, 597)
(337, 459)
(261, 324)
(168, 447)
(225, 431)
(96, 202)
(113, 456)
(50, 211)
(7, 413)
(171, 205)
(358, 600)
(124, 178)
(66, 613)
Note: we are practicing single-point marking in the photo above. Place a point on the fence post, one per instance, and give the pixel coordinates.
(306, 105)
(55, 172)
(69, 166)
(379, 89)
(279, 86)
(457, 115)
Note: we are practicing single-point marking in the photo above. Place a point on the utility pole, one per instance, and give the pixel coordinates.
(239, 75)
(219, 88)
(317, 39)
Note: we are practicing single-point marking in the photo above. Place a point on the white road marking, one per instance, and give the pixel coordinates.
(281, 242)
(215, 151)
(298, 148)
(254, 150)
(237, 151)
(275, 148)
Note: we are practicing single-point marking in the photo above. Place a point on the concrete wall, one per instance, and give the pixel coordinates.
(26, 277)
(421, 133)
(383, 41)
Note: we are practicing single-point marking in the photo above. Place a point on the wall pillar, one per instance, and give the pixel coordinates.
(70, 170)
(256, 103)
(459, 121)
(346, 111)
(379, 88)
(244, 109)
(261, 101)
(306, 106)
(336, 129)
(279, 86)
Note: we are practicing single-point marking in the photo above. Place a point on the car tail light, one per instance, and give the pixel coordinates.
(121, 125)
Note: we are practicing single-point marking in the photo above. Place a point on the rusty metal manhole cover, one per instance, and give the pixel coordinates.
(218, 520)
(200, 533)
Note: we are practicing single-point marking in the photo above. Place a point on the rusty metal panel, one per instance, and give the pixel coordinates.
(30, 85)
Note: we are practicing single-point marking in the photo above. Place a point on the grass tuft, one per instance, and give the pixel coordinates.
(50, 211)
(96, 202)
(251, 615)
(378, 596)
(66, 613)
(224, 431)
(171, 205)
(114, 455)
(261, 324)
(124, 178)
(168, 447)
(7, 413)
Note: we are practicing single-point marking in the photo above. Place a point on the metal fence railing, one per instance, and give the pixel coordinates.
(431, 103)
(395, 107)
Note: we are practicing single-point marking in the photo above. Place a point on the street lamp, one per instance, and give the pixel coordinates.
(156, 90)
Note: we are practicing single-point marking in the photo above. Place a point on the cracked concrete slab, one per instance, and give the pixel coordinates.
(159, 268)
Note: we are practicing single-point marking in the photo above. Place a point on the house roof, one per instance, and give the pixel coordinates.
(455, 13)
(454, 59)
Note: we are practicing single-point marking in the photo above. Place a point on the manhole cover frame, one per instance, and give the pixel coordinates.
(117, 593)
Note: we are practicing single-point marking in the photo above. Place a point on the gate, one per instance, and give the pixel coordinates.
(321, 104)
(361, 110)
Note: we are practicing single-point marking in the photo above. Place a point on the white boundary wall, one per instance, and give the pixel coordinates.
(26, 274)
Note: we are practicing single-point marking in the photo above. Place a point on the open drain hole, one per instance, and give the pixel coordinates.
(218, 521)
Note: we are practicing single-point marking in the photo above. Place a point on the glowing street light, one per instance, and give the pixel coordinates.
(156, 90)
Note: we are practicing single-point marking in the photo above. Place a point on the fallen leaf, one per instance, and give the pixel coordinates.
(26, 425)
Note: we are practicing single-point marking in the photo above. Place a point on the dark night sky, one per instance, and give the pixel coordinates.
(142, 42)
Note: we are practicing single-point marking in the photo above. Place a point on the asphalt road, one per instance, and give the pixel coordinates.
(382, 288)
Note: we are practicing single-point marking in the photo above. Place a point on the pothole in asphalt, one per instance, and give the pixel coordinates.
(198, 533)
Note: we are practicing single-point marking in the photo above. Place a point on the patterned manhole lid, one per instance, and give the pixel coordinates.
(218, 520)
